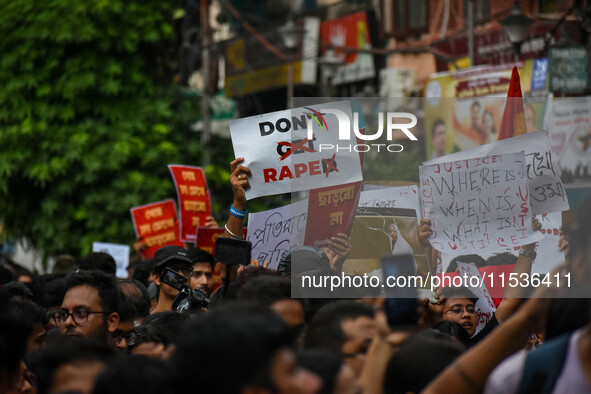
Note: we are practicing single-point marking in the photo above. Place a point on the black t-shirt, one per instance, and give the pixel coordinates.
(487, 329)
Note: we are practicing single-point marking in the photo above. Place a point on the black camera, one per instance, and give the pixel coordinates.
(187, 300)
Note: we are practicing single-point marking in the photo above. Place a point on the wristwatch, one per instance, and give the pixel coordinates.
(528, 253)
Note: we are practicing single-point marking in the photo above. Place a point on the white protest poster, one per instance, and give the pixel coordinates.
(546, 190)
(568, 121)
(485, 305)
(274, 231)
(119, 252)
(477, 205)
(284, 149)
(391, 197)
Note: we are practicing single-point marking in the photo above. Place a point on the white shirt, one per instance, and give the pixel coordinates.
(507, 376)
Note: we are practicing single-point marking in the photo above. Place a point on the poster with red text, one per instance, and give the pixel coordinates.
(157, 224)
(193, 197)
(331, 210)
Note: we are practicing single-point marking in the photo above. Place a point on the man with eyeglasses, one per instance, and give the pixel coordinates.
(89, 308)
(177, 259)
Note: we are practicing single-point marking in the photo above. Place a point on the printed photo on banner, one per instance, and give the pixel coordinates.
(294, 150)
(275, 231)
(157, 225)
(546, 191)
(477, 204)
(569, 125)
(385, 223)
(193, 197)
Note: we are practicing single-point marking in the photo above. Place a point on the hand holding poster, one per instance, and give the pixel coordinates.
(157, 225)
(284, 149)
(547, 193)
(274, 231)
(193, 197)
(477, 204)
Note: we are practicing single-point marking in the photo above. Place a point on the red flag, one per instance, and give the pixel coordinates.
(513, 123)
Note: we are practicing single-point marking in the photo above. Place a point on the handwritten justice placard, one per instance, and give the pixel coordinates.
(477, 204)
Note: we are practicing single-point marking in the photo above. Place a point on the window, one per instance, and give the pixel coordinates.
(481, 10)
(410, 17)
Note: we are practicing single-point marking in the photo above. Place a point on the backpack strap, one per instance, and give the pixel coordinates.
(543, 366)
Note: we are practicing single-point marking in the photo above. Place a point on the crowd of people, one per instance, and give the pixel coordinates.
(169, 329)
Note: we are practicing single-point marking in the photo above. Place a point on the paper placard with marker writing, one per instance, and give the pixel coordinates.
(274, 231)
(546, 191)
(294, 150)
(477, 205)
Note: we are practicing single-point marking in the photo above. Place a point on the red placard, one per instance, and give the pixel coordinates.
(331, 210)
(157, 224)
(193, 197)
(206, 237)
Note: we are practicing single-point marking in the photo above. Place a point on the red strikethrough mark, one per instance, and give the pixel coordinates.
(295, 147)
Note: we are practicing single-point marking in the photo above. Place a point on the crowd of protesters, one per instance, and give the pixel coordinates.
(82, 330)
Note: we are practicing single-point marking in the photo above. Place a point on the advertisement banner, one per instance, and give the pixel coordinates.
(352, 32)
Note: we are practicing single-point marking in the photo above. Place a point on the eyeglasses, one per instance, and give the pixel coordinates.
(51, 315)
(127, 336)
(80, 316)
(459, 309)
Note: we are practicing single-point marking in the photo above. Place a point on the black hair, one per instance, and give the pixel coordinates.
(5, 275)
(419, 360)
(135, 374)
(46, 361)
(162, 327)
(13, 339)
(454, 330)
(105, 284)
(265, 290)
(327, 365)
(325, 332)
(32, 314)
(142, 272)
(221, 297)
(53, 293)
(134, 300)
(506, 258)
(201, 256)
(99, 261)
(458, 292)
(566, 315)
(18, 290)
(437, 122)
(475, 104)
(243, 339)
(466, 258)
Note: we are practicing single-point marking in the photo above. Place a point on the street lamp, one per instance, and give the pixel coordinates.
(290, 33)
(330, 63)
(516, 26)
